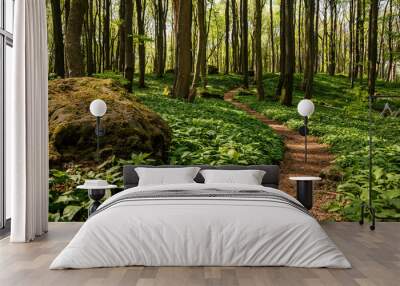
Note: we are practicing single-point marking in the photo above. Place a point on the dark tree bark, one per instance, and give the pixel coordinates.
(271, 29)
(362, 49)
(161, 11)
(201, 49)
(258, 53)
(183, 46)
(299, 53)
(390, 42)
(227, 36)
(287, 88)
(381, 61)
(58, 39)
(106, 34)
(372, 45)
(235, 38)
(316, 37)
(351, 44)
(89, 57)
(121, 32)
(332, 38)
(359, 28)
(245, 42)
(310, 48)
(282, 49)
(73, 47)
(128, 71)
(140, 13)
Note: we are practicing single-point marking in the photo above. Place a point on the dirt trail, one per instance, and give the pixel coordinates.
(293, 162)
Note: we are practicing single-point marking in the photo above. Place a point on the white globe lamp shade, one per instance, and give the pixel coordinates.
(305, 107)
(98, 108)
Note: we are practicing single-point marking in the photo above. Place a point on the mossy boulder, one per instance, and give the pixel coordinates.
(130, 127)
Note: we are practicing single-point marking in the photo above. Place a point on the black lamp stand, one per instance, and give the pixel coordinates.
(99, 133)
(303, 132)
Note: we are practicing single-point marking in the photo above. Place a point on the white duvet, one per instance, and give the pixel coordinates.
(202, 232)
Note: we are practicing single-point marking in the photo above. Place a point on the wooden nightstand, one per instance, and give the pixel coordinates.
(305, 189)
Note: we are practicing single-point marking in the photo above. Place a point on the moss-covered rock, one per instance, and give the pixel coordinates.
(130, 126)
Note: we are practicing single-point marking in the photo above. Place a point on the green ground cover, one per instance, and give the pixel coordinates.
(208, 131)
(341, 120)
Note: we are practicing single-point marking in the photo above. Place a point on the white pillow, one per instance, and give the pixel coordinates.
(166, 176)
(248, 177)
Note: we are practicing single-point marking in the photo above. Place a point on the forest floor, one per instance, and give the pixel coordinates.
(293, 164)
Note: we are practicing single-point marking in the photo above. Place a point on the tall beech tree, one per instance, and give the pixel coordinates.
(73, 49)
(58, 39)
(372, 45)
(258, 52)
(271, 31)
(183, 47)
(287, 87)
(332, 37)
(201, 50)
(121, 32)
(227, 36)
(90, 59)
(235, 37)
(309, 6)
(282, 48)
(106, 34)
(128, 70)
(140, 13)
(245, 42)
(161, 12)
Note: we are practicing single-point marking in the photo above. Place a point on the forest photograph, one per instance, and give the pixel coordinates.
(218, 82)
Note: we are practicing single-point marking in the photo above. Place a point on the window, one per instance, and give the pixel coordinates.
(6, 63)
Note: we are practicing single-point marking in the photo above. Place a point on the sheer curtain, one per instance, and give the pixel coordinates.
(26, 124)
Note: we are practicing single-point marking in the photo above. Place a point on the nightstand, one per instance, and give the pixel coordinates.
(96, 191)
(305, 189)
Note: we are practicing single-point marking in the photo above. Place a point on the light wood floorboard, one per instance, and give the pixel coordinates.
(375, 257)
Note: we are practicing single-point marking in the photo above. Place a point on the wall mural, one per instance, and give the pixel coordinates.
(217, 82)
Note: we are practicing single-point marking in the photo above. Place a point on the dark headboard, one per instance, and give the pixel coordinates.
(271, 177)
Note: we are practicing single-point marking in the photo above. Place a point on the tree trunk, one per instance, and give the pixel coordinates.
(235, 38)
(325, 39)
(128, 71)
(282, 49)
(381, 61)
(227, 36)
(161, 11)
(58, 39)
(89, 48)
(257, 35)
(287, 88)
(357, 64)
(372, 45)
(140, 12)
(245, 43)
(390, 42)
(332, 38)
(201, 49)
(106, 34)
(73, 38)
(351, 44)
(121, 32)
(271, 29)
(316, 37)
(310, 48)
(299, 53)
(183, 46)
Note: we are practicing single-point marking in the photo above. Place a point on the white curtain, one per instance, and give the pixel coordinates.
(26, 124)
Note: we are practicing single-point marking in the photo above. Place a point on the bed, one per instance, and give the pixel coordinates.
(201, 224)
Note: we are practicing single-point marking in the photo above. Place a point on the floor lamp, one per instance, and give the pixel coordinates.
(306, 109)
(98, 108)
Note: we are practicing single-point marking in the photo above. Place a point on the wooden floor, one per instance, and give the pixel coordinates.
(375, 257)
